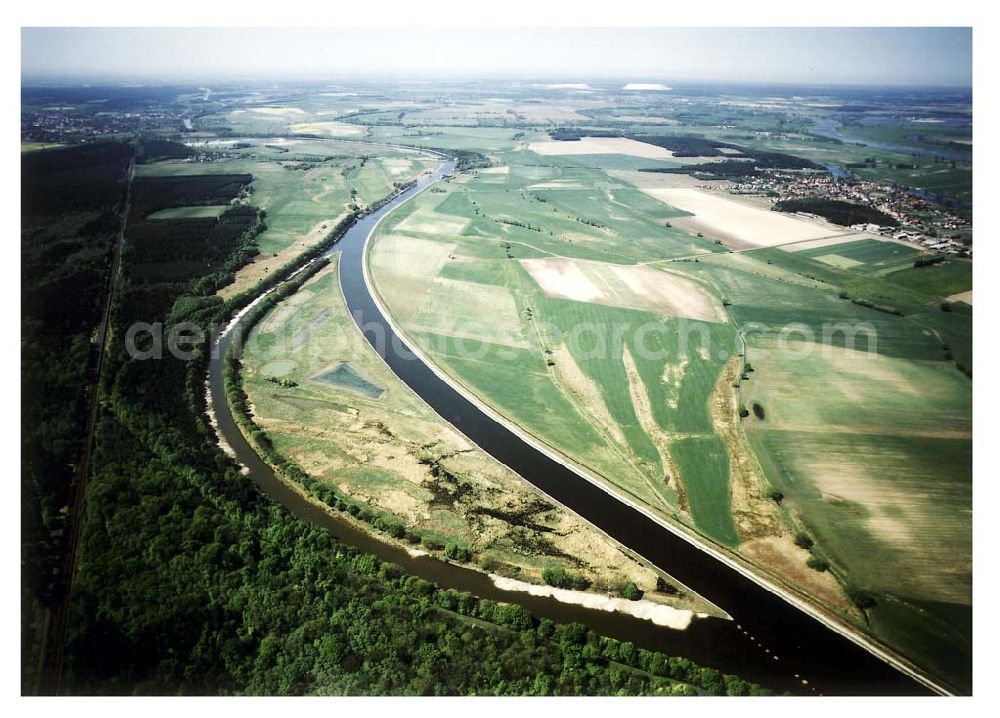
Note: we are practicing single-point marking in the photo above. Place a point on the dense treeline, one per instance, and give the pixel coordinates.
(757, 164)
(192, 582)
(71, 201)
(154, 150)
(466, 160)
(217, 591)
(571, 134)
(836, 211)
(152, 193)
(689, 146)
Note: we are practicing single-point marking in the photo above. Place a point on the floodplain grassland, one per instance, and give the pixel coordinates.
(304, 186)
(329, 403)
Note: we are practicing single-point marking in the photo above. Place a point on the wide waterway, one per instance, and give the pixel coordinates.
(769, 640)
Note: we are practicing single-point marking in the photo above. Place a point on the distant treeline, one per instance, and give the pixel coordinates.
(751, 162)
(467, 160)
(756, 164)
(153, 150)
(153, 193)
(836, 211)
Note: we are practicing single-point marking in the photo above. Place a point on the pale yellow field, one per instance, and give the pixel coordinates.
(469, 310)
(601, 146)
(425, 221)
(636, 287)
(835, 260)
(742, 224)
(962, 297)
(334, 129)
(279, 111)
(826, 242)
(402, 255)
(397, 166)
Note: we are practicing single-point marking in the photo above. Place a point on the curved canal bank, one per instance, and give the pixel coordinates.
(770, 641)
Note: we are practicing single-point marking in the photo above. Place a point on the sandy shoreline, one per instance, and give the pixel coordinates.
(661, 615)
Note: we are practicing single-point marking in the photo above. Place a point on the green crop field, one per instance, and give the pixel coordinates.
(872, 452)
(953, 276)
(869, 256)
(305, 186)
(452, 265)
(496, 271)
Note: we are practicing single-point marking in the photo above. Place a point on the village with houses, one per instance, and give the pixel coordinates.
(919, 221)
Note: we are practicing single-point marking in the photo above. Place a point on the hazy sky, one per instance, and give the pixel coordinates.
(890, 56)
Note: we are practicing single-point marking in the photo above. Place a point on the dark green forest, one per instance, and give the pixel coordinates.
(836, 211)
(71, 203)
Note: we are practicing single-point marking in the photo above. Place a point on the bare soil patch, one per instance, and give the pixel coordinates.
(633, 286)
(741, 224)
(601, 146)
(782, 557)
(962, 297)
